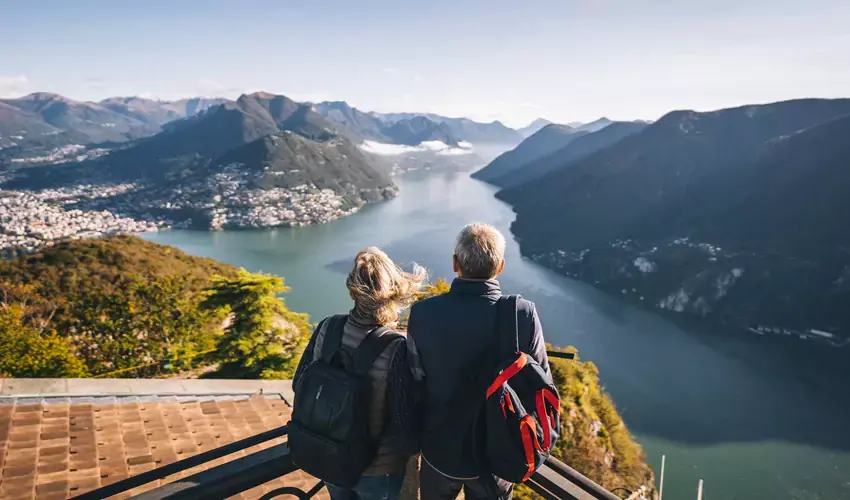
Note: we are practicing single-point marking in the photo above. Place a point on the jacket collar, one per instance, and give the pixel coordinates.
(361, 320)
(476, 287)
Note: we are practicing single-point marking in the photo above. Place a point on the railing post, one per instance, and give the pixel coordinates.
(661, 482)
(699, 490)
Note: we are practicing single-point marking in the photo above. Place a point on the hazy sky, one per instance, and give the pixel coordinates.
(510, 60)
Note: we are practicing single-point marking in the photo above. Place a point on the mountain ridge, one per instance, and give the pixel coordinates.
(583, 144)
(629, 212)
(359, 126)
(545, 141)
(533, 127)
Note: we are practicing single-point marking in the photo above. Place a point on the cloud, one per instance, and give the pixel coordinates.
(13, 86)
(439, 147)
(390, 71)
(95, 81)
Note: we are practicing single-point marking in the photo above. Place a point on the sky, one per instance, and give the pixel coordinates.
(513, 60)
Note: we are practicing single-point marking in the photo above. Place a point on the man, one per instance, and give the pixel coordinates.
(452, 342)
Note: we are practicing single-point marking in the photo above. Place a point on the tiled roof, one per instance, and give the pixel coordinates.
(61, 446)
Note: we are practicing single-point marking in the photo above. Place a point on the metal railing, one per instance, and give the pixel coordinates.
(555, 480)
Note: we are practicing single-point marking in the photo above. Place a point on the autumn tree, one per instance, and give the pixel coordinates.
(26, 351)
(262, 337)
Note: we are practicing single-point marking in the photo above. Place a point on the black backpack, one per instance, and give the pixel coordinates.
(520, 420)
(329, 435)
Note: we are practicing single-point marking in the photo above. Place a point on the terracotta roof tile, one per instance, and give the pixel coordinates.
(60, 447)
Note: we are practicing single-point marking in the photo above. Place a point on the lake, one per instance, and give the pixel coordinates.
(754, 418)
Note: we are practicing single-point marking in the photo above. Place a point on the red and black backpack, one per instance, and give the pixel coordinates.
(520, 420)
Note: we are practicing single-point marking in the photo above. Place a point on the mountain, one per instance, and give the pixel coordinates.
(158, 113)
(287, 160)
(533, 127)
(194, 105)
(419, 129)
(582, 144)
(197, 139)
(155, 113)
(355, 124)
(593, 126)
(732, 215)
(91, 123)
(287, 114)
(359, 126)
(202, 138)
(18, 126)
(464, 128)
(547, 140)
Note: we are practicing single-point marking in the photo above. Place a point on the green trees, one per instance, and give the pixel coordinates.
(262, 337)
(594, 440)
(26, 351)
(148, 322)
(125, 307)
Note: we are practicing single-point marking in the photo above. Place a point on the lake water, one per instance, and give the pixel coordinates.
(753, 418)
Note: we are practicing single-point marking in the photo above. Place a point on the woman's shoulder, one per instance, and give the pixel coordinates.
(394, 331)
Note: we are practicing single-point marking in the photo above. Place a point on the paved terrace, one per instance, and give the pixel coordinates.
(62, 437)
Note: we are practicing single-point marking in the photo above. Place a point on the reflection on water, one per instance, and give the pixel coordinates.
(736, 411)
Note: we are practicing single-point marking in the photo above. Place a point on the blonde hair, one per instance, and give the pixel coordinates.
(380, 288)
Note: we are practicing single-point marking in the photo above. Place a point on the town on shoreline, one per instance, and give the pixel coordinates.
(33, 219)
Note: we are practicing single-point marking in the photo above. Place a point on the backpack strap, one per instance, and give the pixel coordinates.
(507, 329)
(332, 342)
(371, 347)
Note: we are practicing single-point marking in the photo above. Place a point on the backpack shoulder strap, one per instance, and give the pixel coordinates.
(332, 342)
(508, 331)
(371, 347)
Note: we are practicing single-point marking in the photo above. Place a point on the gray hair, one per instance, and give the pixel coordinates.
(479, 251)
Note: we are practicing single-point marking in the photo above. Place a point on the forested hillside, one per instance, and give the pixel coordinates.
(126, 307)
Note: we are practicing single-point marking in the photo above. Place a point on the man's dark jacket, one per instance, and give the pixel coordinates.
(453, 346)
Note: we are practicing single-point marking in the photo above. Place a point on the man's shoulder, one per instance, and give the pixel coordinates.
(524, 305)
(430, 302)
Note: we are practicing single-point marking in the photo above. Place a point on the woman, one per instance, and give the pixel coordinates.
(380, 290)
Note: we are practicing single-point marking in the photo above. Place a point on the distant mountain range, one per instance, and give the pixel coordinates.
(534, 126)
(527, 162)
(547, 140)
(38, 122)
(738, 215)
(44, 120)
(264, 140)
(359, 126)
(464, 128)
(593, 126)
(159, 113)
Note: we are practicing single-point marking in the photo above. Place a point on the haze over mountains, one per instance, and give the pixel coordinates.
(738, 215)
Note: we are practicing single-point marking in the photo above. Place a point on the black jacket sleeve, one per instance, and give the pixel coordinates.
(402, 421)
(537, 347)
